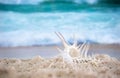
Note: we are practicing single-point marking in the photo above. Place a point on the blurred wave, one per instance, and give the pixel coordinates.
(19, 29)
(33, 22)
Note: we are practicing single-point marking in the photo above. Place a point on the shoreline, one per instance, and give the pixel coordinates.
(51, 51)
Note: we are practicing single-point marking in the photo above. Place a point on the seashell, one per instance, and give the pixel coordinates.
(74, 53)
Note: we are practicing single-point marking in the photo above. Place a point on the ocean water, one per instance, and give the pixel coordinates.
(29, 25)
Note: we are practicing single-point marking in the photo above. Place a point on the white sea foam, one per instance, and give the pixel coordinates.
(17, 29)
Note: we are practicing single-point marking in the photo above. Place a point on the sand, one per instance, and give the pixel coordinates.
(104, 66)
(56, 67)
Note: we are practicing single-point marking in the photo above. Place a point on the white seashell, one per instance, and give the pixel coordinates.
(73, 52)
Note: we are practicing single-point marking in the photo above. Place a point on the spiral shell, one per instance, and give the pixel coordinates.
(74, 53)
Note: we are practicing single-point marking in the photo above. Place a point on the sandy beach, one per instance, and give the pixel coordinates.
(45, 62)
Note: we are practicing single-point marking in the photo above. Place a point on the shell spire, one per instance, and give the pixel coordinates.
(65, 44)
(75, 41)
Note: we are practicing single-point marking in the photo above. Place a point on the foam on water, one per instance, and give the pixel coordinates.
(19, 29)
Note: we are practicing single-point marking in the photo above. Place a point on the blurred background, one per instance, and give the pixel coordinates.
(33, 22)
(27, 26)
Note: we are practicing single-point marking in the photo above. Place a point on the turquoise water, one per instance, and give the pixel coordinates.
(58, 6)
(27, 25)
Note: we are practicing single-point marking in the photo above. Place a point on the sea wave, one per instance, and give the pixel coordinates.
(33, 38)
(19, 29)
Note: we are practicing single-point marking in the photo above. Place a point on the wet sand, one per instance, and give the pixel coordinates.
(44, 62)
(50, 51)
